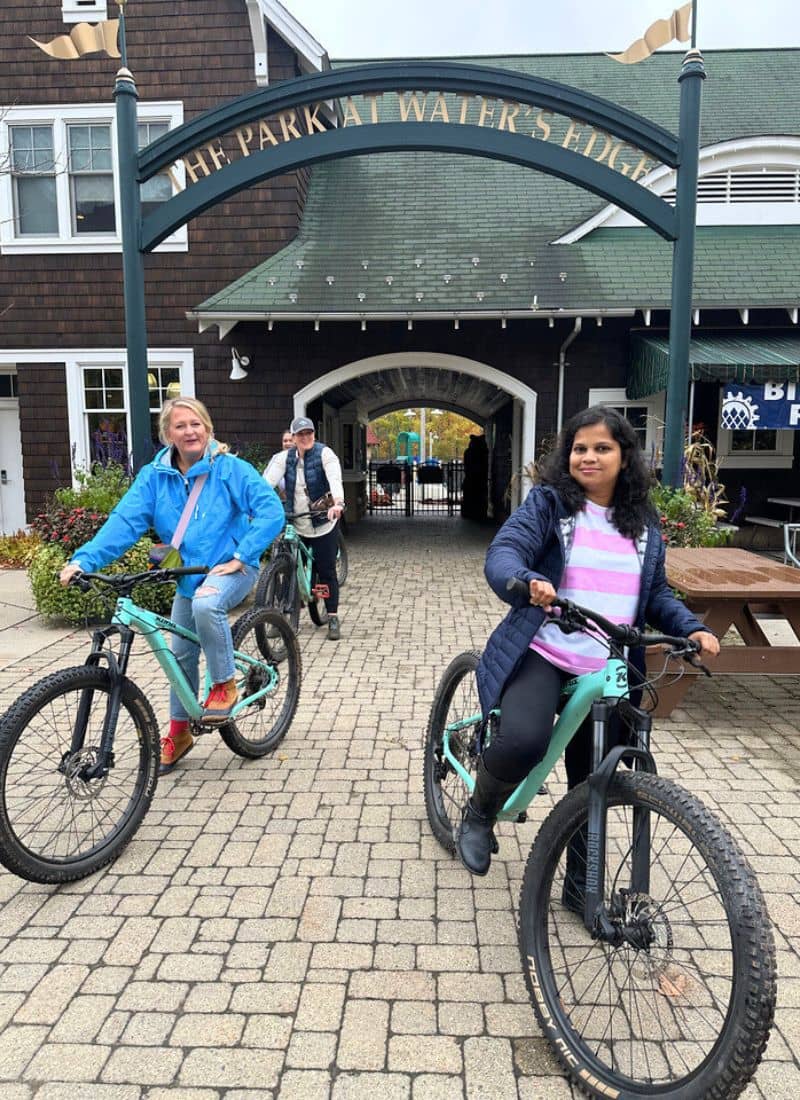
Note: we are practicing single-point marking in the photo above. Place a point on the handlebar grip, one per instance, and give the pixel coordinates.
(188, 570)
(518, 587)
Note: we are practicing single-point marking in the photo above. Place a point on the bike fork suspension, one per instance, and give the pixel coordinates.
(117, 664)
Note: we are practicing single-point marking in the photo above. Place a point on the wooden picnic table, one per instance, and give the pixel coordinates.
(728, 587)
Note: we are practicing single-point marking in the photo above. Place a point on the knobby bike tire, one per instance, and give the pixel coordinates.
(318, 611)
(342, 560)
(277, 588)
(265, 635)
(45, 805)
(456, 698)
(709, 971)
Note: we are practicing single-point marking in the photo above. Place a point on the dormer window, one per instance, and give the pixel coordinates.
(749, 181)
(84, 11)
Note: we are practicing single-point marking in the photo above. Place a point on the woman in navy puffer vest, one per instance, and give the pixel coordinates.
(588, 532)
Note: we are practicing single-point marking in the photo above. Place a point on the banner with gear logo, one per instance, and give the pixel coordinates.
(771, 405)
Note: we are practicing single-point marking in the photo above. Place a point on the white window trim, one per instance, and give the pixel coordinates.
(655, 405)
(782, 458)
(60, 117)
(75, 359)
(757, 152)
(92, 11)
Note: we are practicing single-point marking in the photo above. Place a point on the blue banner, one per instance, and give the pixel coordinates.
(772, 405)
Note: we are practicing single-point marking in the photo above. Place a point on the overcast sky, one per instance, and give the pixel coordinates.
(402, 28)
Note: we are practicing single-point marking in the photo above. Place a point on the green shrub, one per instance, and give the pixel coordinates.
(684, 521)
(257, 454)
(76, 606)
(99, 488)
(67, 528)
(16, 551)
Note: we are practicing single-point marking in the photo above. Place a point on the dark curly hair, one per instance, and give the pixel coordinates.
(631, 501)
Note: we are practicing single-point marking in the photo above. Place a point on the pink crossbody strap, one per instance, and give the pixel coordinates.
(186, 515)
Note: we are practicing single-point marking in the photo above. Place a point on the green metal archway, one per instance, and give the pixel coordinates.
(322, 142)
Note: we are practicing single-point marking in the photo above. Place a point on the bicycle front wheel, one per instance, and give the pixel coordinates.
(56, 824)
(277, 589)
(265, 637)
(680, 1005)
(456, 704)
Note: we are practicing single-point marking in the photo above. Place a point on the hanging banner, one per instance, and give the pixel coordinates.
(771, 405)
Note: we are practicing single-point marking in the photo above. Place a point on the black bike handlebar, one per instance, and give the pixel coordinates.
(322, 512)
(127, 581)
(576, 617)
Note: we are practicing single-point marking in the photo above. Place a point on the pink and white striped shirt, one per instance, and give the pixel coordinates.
(603, 572)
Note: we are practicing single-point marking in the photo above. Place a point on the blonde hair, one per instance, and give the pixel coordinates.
(197, 407)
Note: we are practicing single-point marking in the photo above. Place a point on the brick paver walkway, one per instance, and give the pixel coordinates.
(288, 927)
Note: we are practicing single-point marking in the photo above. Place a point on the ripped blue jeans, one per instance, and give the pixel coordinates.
(207, 615)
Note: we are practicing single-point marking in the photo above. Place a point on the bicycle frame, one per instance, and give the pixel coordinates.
(128, 620)
(303, 562)
(595, 693)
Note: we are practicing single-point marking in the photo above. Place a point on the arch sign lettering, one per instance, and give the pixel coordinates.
(432, 106)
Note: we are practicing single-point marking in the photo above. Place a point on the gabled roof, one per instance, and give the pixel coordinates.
(422, 233)
(311, 55)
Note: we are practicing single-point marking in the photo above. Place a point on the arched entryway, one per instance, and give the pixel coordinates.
(366, 388)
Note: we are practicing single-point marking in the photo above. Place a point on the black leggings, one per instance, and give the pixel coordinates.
(324, 549)
(528, 707)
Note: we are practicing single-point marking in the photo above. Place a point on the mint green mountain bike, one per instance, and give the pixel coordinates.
(289, 581)
(645, 940)
(80, 750)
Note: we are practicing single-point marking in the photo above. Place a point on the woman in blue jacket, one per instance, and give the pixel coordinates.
(588, 533)
(236, 516)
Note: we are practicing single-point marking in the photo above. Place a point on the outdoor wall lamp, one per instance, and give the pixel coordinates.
(239, 366)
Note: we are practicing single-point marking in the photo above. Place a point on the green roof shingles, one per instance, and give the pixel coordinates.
(416, 220)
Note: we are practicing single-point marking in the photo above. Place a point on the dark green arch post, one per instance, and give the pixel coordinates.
(463, 79)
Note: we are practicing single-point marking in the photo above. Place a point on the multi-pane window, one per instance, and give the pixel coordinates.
(645, 416)
(61, 191)
(104, 414)
(33, 171)
(91, 178)
(159, 188)
(162, 383)
(754, 442)
(637, 416)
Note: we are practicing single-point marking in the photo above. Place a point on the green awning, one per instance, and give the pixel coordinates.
(748, 359)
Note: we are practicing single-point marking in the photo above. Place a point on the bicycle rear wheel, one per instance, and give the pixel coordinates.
(265, 636)
(55, 825)
(682, 1007)
(342, 560)
(456, 700)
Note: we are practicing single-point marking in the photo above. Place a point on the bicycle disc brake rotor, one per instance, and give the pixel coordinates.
(648, 932)
(73, 767)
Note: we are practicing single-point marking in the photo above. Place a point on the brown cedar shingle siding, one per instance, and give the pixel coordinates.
(197, 51)
(45, 439)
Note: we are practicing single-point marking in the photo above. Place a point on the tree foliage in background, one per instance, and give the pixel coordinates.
(452, 432)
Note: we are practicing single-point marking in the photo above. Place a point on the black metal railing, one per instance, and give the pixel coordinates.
(399, 488)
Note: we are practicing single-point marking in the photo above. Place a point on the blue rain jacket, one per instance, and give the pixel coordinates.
(237, 514)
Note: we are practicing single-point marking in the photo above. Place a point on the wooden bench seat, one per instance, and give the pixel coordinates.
(764, 521)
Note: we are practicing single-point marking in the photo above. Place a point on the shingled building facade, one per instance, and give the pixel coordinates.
(378, 282)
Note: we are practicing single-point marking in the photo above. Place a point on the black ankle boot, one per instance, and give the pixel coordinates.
(475, 841)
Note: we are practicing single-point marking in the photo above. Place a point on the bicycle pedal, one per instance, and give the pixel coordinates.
(321, 591)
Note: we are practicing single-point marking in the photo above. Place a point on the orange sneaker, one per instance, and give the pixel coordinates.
(221, 700)
(175, 745)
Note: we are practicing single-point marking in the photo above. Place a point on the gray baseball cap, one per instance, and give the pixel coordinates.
(301, 424)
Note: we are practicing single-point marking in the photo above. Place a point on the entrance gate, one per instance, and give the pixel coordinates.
(295, 129)
(405, 489)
